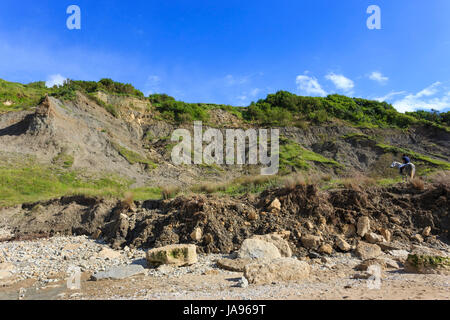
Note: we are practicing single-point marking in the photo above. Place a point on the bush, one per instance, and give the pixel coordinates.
(179, 111)
(283, 107)
(418, 184)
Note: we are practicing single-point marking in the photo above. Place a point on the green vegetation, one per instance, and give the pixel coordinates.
(280, 109)
(239, 186)
(424, 261)
(432, 116)
(68, 89)
(17, 96)
(146, 193)
(294, 155)
(182, 112)
(108, 107)
(64, 160)
(179, 111)
(415, 157)
(30, 183)
(133, 157)
(284, 108)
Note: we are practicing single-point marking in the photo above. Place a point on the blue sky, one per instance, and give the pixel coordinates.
(235, 52)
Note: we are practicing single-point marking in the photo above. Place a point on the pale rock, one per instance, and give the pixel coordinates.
(279, 270)
(343, 245)
(235, 265)
(399, 254)
(278, 241)
(366, 250)
(311, 241)
(326, 249)
(176, 254)
(387, 235)
(258, 249)
(119, 272)
(275, 205)
(6, 269)
(363, 226)
(426, 232)
(107, 253)
(242, 283)
(372, 237)
(417, 237)
(197, 234)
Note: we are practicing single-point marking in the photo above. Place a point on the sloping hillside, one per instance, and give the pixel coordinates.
(105, 138)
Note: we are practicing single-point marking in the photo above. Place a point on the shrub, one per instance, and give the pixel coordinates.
(169, 192)
(418, 184)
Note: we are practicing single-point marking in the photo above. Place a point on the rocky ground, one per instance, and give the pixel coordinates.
(39, 269)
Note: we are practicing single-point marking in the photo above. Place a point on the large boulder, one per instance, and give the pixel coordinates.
(363, 226)
(236, 265)
(176, 255)
(428, 261)
(372, 237)
(366, 250)
(278, 241)
(278, 270)
(311, 242)
(343, 245)
(258, 249)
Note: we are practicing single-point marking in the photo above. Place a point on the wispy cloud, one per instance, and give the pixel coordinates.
(429, 91)
(55, 79)
(309, 86)
(390, 95)
(341, 82)
(424, 100)
(378, 77)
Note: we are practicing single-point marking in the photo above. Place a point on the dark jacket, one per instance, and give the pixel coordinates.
(406, 160)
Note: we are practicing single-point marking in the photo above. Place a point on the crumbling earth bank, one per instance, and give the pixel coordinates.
(223, 223)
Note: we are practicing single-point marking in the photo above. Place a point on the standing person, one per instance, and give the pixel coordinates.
(406, 161)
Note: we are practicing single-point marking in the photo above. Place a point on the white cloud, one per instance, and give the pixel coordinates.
(423, 100)
(378, 77)
(429, 91)
(55, 79)
(341, 82)
(309, 85)
(390, 95)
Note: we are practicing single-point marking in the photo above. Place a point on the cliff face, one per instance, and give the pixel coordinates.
(134, 143)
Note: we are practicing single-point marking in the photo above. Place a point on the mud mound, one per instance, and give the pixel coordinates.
(226, 222)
